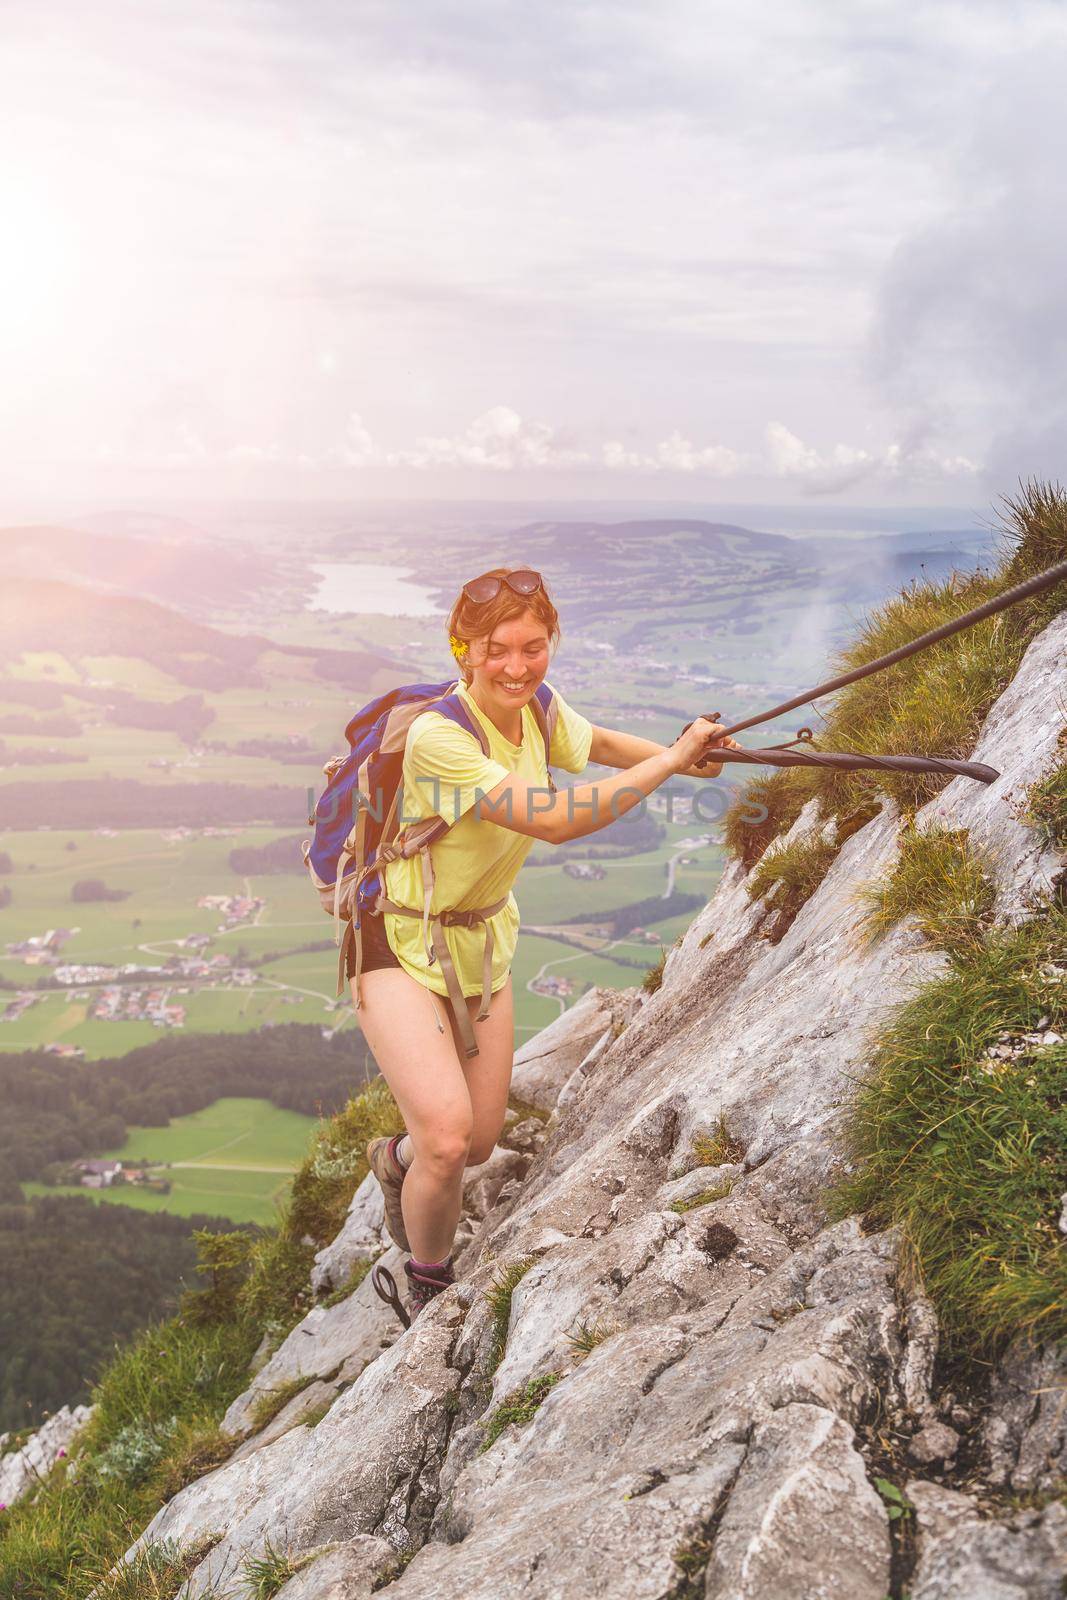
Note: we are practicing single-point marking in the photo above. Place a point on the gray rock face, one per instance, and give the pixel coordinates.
(362, 1238)
(963, 1557)
(21, 1469)
(344, 1572)
(1025, 1431)
(546, 1062)
(782, 1534)
(684, 1399)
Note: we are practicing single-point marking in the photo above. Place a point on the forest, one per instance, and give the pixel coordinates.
(78, 1280)
(54, 1109)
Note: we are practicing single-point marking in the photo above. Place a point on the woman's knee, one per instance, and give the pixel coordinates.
(447, 1147)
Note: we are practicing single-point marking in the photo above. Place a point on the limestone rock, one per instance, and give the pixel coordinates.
(21, 1469)
(362, 1238)
(1020, 738)
(343, 1572)
(332, 1343)
(543, 1065)
(802, 1522)
(962, 1557)
(1025, 1430)
(370, 1466)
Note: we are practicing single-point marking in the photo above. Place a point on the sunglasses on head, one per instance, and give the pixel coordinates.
(480, 590)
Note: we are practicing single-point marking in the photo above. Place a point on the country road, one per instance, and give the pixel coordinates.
(221, 1166)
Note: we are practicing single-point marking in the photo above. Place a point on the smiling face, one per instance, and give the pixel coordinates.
(507, 666)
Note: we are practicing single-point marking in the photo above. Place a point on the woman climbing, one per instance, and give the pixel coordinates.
(502, 631)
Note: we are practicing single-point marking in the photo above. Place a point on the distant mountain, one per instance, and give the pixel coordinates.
(38, 614)
(170, 570)
(614, 569)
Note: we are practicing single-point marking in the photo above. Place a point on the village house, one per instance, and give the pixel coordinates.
(97, 1174)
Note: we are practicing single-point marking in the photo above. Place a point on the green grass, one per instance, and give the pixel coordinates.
(520, 1407)
(938, 878)
(271, 1401)
(780, 794)
(336, 1163)
(705, 1198)
(350, 1285)
(57, 1545)
(498, 1297)
(155, 1572)
(234, 1131)
(967, 1155)
(786, 878)
(1046, 806)
(240, 1196)
(264, 1575)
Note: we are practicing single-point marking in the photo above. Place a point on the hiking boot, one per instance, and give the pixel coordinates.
(424, 1286)
(381, 1158)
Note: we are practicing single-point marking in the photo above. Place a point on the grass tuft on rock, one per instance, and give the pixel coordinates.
(520, 1407)
(940, 879)
(155, 1572)
(1046, 807)
(350, 1285)
(786, 878)
(498, 1296)
(653, 978)
(584, 1337)
(337, 1163)
(270, 1402)
(717, 1148)
(706, 1197)
(965, 1151)
(767, 807)
(265, 1575)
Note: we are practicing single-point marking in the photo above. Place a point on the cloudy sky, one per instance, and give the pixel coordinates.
(598, 248)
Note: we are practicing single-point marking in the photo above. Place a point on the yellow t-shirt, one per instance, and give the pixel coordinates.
(476, 861)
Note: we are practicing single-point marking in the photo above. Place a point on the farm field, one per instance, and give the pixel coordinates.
(237, 1157)
(164, 874)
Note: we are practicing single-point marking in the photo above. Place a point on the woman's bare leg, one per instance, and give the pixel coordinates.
(488, 1074)
(420, 1065)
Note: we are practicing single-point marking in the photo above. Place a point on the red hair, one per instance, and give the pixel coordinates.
(469, 621)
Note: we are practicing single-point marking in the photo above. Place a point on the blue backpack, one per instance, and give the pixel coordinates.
(358, 831)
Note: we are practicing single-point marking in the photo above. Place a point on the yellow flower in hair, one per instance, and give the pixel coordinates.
(460, 647)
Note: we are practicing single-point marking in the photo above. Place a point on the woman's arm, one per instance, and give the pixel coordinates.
(557, 818)
(613, 748)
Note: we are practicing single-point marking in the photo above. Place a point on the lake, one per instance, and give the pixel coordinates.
(367, 588)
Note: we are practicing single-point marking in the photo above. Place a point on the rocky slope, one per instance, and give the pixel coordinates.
(720, 1387)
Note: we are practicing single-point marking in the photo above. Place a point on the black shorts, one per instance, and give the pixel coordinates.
(376, 952)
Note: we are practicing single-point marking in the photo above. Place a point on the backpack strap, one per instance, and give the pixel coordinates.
(545, 710)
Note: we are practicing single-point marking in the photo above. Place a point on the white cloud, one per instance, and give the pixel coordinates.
(845, 465)
(676, 453)
(500, 440)
(359, 449)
